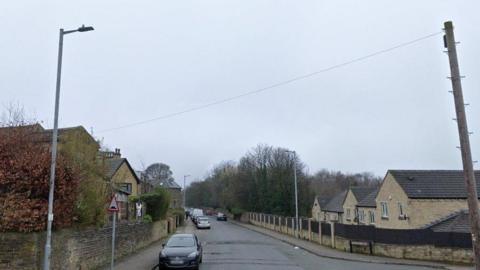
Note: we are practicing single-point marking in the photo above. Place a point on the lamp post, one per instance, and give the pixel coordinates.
(296, 190)
(185, 190)
(48, 247)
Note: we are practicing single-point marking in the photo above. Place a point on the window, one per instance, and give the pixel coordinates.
(372, 216)
(401, 212)
(126, 187)
(384, 209)
(361, 216)
(400, 209)
(348, 214)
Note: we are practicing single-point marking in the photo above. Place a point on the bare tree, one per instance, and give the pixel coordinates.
(14, 115)
(157, 173)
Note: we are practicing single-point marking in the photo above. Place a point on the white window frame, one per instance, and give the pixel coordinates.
(361, 216)
(384, 209)
(348, 214)
(371, 216)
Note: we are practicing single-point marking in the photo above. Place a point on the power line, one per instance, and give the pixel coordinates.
(263, 89)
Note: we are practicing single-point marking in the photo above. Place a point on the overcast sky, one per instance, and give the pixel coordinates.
(146, 59)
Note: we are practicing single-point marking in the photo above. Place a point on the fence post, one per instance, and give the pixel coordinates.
(300, 228)
(320, 232)
(280, 223)
(309, 229)
(332, 229)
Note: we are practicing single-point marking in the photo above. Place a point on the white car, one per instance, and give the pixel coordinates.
(203, 223)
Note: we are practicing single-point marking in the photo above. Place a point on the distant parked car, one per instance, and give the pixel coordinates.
(181, 251)
(203, 223)
(221, 216)
(195, 214)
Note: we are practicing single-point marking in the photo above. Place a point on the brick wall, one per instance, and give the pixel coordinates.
(79, 248)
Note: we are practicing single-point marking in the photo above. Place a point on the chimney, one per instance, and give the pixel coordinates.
(117, 153)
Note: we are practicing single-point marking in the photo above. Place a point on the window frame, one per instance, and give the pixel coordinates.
(361, 215)
(384, 210)
(371, 216)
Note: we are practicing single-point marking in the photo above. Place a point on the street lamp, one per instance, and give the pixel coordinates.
(48, 247)
(296, 190)
(185, 190)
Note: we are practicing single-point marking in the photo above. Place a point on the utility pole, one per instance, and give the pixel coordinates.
(469, 173)
(296, 190)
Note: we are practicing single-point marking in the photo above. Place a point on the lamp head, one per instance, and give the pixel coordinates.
(84, 28)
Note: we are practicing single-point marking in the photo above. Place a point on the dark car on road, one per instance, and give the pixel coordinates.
(221, 216)
(181, 251)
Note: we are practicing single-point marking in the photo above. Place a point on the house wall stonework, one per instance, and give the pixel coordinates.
(392, 194)
(349, 206)
(425, 211)
(316, 211)
(176, 197)
(125, 175)
(419, 212)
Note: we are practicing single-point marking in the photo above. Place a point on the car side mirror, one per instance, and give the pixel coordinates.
(163, 245)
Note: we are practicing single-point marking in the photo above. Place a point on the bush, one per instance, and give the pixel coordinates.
(237, 212)
(156, 202)
(147, 219)
(24, 183)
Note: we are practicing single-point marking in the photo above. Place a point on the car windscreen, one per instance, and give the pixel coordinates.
(202, 219)
(181, 241)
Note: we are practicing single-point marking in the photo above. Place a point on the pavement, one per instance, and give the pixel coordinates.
(236, 246)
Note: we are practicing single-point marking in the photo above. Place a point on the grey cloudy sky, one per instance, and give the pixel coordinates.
(150, 58)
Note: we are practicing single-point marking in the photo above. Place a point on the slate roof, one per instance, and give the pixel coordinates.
(456, 222)
(336, 203)
(113, 164)
(369, 200)
(323, 201)
(425, 184)
(169, 183)
(361, 192)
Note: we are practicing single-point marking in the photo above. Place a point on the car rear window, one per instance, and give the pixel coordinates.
(181, 241)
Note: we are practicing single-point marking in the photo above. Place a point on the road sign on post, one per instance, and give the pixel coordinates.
(113, 208)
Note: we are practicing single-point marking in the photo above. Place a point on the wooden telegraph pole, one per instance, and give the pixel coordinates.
(469, 173)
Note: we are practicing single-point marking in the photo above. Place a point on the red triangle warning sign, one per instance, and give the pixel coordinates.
(113, 205)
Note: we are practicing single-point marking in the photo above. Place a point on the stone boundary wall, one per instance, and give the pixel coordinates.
(415, 252)
(88, 248)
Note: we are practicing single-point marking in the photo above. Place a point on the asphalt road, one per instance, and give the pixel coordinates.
(228, 246)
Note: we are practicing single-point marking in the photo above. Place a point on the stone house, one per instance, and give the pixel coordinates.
(145, 186)
(318, 208)
(175, 191)
(411, 199)
(333, 211)
(123, 180)
(366, 209)
(351, 215)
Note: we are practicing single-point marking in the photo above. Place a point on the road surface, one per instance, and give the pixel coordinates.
(229, 246)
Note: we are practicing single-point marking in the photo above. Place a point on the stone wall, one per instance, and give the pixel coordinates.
(415, 252)
(79, 248)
